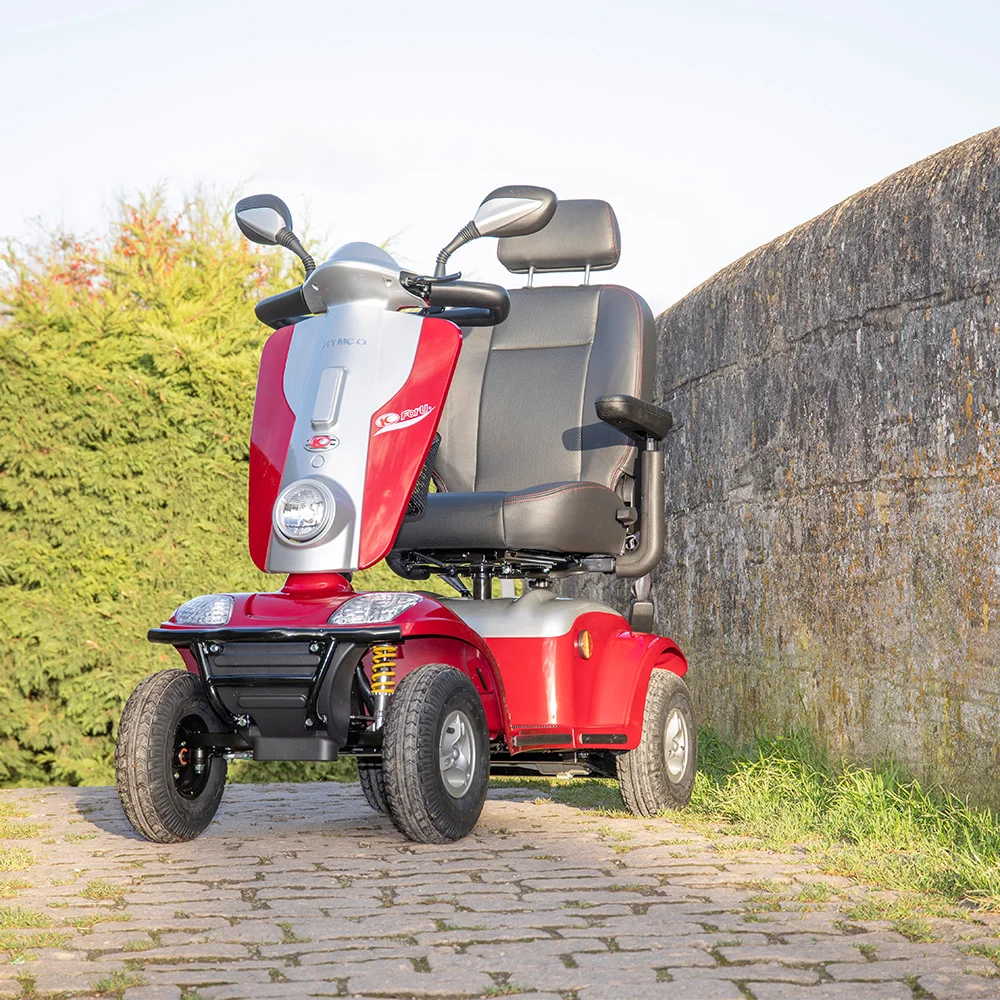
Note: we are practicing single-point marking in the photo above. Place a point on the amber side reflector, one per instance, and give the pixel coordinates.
(585, 644)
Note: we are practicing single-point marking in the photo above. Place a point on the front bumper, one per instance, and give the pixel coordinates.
(285, 692)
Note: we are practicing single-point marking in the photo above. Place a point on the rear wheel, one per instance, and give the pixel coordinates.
(372, 779)
(659, 773)
(435, 755)
(165, 795)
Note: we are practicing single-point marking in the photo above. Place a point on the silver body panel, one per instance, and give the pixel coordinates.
(356, 273)
(342, 368)
(539, 614)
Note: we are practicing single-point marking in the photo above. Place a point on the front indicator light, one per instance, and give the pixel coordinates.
(369, 609)
(213, 609)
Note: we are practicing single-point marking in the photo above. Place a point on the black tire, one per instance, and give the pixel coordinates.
(417, 790)
(372, 779)
(159, 713)
(650, 782)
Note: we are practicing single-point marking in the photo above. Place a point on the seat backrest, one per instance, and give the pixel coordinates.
(520, 411)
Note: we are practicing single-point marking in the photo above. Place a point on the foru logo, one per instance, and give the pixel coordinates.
(345, 342)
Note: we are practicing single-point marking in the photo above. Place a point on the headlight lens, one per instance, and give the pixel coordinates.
(303, 511)
(213, 609)
(366, 609)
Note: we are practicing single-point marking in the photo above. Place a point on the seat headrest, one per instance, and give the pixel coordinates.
(582, 232)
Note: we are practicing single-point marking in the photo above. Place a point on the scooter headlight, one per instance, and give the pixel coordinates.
(213, 609)
(303, 511)
(366, 609)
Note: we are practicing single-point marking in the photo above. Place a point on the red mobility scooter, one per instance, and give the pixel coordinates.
(531, 412)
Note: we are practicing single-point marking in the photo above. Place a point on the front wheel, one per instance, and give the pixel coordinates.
(659, 773)
(435, 755)
(166, 797)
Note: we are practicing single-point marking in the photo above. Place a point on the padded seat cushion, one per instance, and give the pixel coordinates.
(556, 517)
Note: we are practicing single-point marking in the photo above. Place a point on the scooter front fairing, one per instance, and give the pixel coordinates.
(347, 402)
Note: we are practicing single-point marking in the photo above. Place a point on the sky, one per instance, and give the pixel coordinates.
(711, 127)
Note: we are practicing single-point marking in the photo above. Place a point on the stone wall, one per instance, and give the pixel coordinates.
(833, 510)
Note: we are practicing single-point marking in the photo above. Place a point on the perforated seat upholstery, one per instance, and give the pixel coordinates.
(524, 463)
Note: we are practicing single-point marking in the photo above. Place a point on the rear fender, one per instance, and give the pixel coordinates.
(610, 689)
(660, 654)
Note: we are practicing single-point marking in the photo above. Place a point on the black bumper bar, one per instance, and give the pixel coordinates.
(296, 683)
(185, 637)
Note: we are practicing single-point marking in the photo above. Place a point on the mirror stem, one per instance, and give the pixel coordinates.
(465, 234)
(286, 238)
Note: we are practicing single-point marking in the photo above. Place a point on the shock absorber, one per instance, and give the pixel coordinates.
(383, 678)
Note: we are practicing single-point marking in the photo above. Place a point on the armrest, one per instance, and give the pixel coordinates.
(637, 418)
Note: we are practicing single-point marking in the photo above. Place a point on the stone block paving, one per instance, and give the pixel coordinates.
(301, 891)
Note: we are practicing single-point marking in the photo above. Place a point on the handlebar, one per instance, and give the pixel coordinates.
(473, 300)
(465, 303)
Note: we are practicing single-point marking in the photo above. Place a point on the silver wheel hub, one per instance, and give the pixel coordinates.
(457, 754)
(676, 745)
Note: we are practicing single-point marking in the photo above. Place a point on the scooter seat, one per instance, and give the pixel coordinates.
(571, 517)
(522, 408)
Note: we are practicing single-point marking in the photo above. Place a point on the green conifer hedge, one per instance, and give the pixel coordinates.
(127, 371)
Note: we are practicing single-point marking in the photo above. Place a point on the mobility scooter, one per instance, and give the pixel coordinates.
(530, 410)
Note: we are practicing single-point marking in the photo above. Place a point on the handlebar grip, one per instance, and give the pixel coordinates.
(472, 294)
(276, 310)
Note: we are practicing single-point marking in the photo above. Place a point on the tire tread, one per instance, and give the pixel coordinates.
(401, 751)
(145, 800)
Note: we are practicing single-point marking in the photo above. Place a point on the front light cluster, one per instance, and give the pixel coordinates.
(304, 510)
(213, 609)
(369, 609)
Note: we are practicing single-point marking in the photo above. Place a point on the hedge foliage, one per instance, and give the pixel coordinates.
(127, 371)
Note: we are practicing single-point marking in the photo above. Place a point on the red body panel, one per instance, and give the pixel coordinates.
(397, 449)
(551, 689)
(531, 688)
(271, 432)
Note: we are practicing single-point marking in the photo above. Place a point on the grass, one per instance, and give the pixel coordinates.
(815, 892)
(116, 983)
(99, 888)
(991, 952)
(18, 945)
(101, 917)
(11, 887)
(595, 795)
(876, 824)
(15, 859)
(19, 916)
(13, 829)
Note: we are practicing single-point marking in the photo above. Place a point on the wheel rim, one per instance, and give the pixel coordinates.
(457, 754)
(676, 745)
(187, 780)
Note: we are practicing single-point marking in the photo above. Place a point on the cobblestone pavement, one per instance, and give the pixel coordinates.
(301, 891)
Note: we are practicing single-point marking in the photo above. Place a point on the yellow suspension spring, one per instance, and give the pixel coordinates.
(384, 668)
